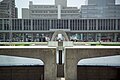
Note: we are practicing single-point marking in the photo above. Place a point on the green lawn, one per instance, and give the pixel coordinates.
(21, 43)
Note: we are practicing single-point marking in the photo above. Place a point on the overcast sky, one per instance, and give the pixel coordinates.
(24, 3)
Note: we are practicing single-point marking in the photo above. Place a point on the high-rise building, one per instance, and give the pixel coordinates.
(7, 9)
(100, 9)
(57, 11)
(4, 10)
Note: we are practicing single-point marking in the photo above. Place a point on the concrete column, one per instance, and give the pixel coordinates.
(63, 57)
(2, 24)
(50, 25)
(115, 36)
(50, 69)
(10, 36)
(81, 35)
(50, 35)
(70, 65)
(116, 24)
(23, 37)
(96, 24)
(87, 24)
(32, 24)
(69, 24)
(57, 57)
(22, 24)
(87, 35)
(96, 38)
(32, 37)
(99, 36)
(70, 69)
(3, 36)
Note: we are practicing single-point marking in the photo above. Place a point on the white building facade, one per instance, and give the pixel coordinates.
(57, 11)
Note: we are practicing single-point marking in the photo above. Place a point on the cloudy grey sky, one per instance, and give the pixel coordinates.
(24, 3)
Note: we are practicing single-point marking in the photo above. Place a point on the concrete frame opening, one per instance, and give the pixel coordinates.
(33, 68)
(88, 68)
(60, 65)
(59, 32)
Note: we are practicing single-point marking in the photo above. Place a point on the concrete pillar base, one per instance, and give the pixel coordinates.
(115, 37)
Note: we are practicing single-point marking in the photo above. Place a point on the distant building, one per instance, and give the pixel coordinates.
(7, 9)
(26, 30)
(100, 9)
(25, 13)
(57, 11)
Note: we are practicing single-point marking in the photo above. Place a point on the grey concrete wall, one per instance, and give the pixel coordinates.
(21, 72)
(47, 55)
(74, 55)
(97, 73)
